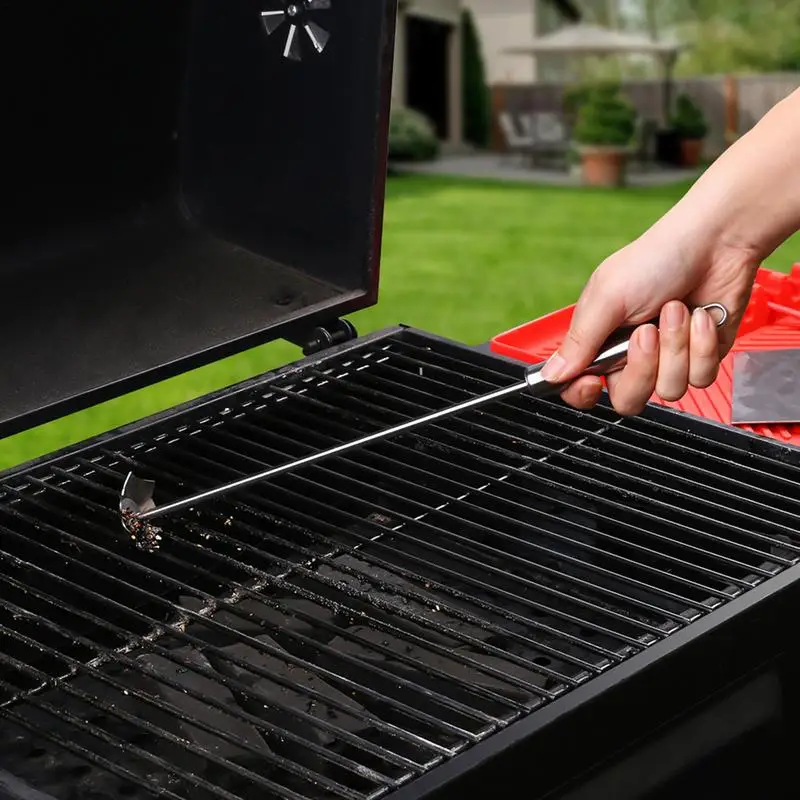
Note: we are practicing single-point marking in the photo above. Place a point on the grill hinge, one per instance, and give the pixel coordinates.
(324, 336)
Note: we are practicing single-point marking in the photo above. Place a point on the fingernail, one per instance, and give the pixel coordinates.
(554, 368)
(701, 320)
(648, 339)
(674, 316)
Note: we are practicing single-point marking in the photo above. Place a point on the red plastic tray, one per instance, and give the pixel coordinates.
(771, 322)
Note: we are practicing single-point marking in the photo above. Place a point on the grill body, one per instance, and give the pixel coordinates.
(526, 593)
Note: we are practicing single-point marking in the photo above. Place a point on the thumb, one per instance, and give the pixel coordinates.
(595, 318)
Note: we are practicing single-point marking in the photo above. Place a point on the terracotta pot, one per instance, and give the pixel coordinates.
(691, 150)
(603, 166)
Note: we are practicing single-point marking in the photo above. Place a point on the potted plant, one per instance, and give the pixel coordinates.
(605, 125)
(573, 98)
(692, 128)
(577, 94)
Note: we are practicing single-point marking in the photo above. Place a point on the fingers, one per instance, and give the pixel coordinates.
(673, 371)
(597, 315)
(704, 352)
(684, 351)
(631, 388)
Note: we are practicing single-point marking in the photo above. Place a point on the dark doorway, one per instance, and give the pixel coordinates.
(427, 71)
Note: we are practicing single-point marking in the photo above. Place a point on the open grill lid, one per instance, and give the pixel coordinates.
(185, 180)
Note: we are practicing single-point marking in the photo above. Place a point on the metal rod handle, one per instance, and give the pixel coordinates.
(136, 502)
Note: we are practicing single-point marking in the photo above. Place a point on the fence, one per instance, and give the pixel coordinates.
(731, 104)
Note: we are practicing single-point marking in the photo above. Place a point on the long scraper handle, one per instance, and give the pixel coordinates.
(136, 501)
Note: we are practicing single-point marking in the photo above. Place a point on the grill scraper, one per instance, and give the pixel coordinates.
(138, 508)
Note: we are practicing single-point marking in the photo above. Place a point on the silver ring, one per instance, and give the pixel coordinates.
(722, 310)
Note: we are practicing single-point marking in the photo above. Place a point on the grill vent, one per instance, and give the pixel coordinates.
(342, 629)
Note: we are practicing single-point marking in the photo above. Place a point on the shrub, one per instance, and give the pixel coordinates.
(605, 118)
(575, 96)
(476, 100)
(412, 137)
(688, 119)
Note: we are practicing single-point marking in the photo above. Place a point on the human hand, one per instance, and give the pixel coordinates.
(656, 276)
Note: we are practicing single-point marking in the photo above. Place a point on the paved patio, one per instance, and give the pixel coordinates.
(505, 168)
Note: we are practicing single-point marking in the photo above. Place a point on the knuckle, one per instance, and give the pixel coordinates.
(675, 342)
(601, 286)
(705, 347)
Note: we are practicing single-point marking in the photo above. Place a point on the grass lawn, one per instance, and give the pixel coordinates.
(461, 259)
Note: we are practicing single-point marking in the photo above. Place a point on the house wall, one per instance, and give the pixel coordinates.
(501, 24)
(448, 12)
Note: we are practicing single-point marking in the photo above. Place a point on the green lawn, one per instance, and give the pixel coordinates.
(461, 259)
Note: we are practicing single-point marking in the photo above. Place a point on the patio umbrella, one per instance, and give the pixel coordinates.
(583, 39)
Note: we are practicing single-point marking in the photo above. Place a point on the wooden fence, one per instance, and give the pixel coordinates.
(731, 104)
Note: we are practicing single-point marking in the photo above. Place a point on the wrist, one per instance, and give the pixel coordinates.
(701, 241)
(748, 201)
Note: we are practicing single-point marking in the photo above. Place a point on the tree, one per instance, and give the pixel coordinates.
(476, 98)
(736, 35)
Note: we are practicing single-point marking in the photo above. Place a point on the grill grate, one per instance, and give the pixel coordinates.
(344, 628)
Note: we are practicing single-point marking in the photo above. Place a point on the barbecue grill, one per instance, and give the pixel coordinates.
(521, 598)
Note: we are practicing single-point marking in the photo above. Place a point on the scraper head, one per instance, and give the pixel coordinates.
(136, 499)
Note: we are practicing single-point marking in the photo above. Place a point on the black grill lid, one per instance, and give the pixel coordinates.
(179, 189)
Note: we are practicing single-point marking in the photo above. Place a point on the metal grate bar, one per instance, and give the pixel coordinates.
(526, 417)
(465, 492)
(306, 523)
(520, 410)
(278, 653)
(583, 465)
(296, 567)
(197, 459)
(254, 433)
(417, 520)
(445, 701)
(87, 755)
(406, 519)
(517, 540)
(148, 645)
(115, 742)
(725, 457)
(404, 593)
(405, 452)
(75, 666)
(184, 614)
(443, 501)
(210, 444)
(110, 708)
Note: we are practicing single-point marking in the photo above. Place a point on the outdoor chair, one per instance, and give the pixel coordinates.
(550, 134)
(516, 142)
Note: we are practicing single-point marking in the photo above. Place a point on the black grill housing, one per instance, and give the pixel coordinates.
(382, 619)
